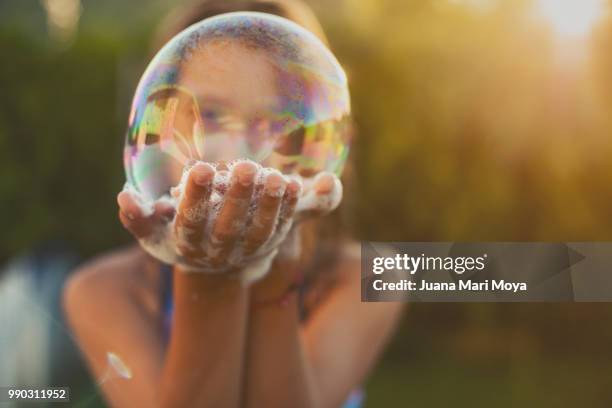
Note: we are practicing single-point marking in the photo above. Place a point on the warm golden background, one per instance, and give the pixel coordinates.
(477, 120)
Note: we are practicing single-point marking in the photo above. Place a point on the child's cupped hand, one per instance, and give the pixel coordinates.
(224, 220)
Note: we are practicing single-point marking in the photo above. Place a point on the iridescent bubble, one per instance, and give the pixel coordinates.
(118, 366)
(238, 86)
(115, 368)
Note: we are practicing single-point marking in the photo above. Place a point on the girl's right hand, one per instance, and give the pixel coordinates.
(248, 227)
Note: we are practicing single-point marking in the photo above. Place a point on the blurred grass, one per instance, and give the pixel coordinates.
(444, 381)
(502, 355)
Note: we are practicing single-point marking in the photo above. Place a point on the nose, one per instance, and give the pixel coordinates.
(258, 133)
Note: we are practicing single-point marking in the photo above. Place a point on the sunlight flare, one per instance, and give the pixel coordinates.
(574, 18)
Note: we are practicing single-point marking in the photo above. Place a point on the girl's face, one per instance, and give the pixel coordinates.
(225, 105)
(237, 96)
(233, 101)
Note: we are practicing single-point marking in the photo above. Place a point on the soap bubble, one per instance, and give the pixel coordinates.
(238, 86)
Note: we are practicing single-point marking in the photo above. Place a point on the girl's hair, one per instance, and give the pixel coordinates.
(197, 11)
(321, 239)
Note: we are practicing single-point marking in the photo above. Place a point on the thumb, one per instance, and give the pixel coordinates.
(322, 194)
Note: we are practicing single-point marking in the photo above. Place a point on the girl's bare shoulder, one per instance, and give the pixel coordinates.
(126, 274)
(351, 251)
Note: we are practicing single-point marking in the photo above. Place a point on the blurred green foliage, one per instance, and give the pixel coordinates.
(478, 126)
(473, 124)
(60, 143)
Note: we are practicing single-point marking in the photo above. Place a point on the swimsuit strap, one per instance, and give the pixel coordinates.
(166, 296)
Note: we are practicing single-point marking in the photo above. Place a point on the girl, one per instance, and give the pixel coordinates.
(159, 335)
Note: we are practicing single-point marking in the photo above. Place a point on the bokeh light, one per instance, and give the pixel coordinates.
(571, 17)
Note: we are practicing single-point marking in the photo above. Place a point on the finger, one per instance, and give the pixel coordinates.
(163, 212)
(192, 210)
(324, 184)
(266, 213)
(289, 204)
(323, 196)
(132, 215)
(232, 217)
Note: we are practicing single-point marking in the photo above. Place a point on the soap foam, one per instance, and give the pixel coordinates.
(165, 241)
(320, 203)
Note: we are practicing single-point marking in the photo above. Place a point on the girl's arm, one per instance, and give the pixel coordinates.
(204, 361)
(318, 365)
(111, 308)
(114, 309)
(277, 371)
